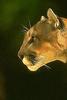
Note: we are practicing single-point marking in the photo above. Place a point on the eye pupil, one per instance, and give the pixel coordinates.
(32, 39)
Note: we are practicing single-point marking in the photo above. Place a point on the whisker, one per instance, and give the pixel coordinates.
(29, 23)
(25, 28)
(48, 67)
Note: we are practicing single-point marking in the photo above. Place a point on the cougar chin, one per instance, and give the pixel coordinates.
(33, 67)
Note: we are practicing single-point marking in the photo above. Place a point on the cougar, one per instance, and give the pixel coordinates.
(45, 42)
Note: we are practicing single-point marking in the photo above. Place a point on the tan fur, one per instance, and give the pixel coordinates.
(46, 40)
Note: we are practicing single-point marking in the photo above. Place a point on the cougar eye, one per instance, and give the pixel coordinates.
(33, 39)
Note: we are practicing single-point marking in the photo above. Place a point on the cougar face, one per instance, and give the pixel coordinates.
(44, 42)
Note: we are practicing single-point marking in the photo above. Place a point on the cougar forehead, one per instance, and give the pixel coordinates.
(41, 30)
(44, 26)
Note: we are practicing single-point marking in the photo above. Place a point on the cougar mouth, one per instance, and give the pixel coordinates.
(29, 60)
(32, 59)
(33, 63)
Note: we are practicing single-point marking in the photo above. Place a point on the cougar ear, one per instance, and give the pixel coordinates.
(53, 17)
(43, 18)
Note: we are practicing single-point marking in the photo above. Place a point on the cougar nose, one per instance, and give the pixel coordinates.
(20, 55)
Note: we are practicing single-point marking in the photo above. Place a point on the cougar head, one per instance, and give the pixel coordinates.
(43, 42)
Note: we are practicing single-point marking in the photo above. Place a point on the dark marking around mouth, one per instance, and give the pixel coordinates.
(32, 58)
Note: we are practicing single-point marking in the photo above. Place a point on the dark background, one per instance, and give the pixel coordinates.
(16, 81)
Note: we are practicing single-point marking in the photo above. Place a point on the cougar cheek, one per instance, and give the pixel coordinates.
(44, 48)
